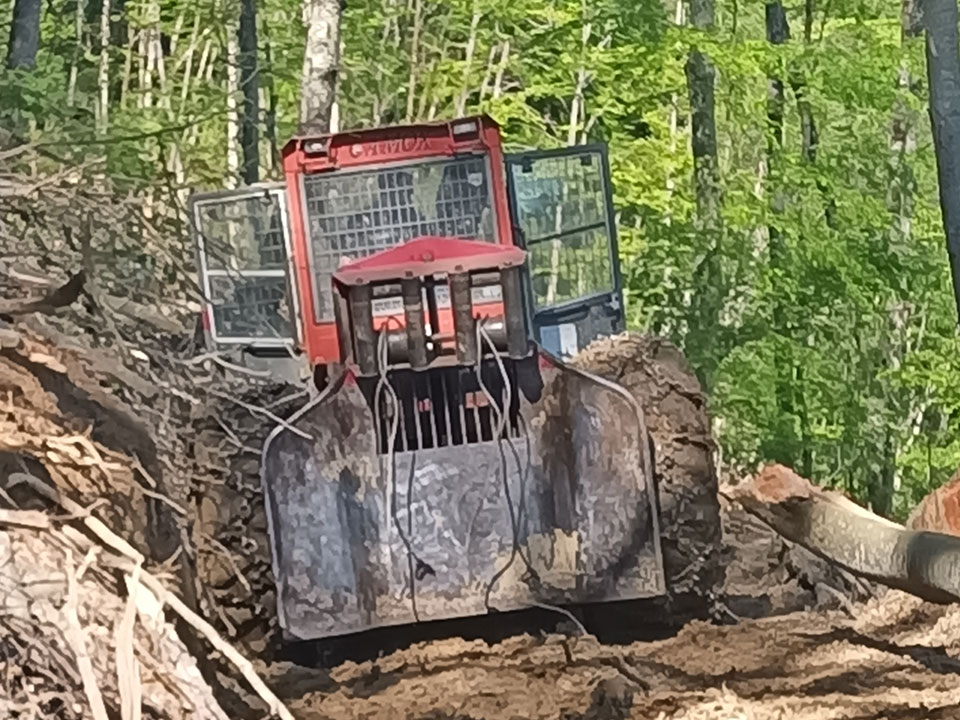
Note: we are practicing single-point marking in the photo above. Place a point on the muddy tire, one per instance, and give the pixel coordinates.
(656, 373)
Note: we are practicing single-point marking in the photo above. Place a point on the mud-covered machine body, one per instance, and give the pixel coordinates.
(449, 462)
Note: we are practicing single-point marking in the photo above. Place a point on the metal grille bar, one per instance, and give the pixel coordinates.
(353, 215)
(437, 410)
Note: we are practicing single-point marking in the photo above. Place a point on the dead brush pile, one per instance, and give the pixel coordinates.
(128, 468)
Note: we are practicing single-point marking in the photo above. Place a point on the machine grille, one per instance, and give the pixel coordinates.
(354, 214)
(250, 307)
(446, 408)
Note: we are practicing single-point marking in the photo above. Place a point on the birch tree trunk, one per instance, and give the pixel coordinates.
(468, 61)
(940, 20)
(321, 63)
(414, 58)
(77, 53)
(671, 184)
(149, 45)
(501, 69)
(250, 85)
(24, 35)
(576, 102)
(233, 112)
(103, 70)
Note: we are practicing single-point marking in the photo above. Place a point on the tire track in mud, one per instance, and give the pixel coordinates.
(808, 665)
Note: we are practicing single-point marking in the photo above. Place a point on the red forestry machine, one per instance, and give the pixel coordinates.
(450, 460)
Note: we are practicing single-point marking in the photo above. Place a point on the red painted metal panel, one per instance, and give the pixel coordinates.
(429, 256)
(355, 149)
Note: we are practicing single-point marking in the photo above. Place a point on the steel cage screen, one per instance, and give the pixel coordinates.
(562, 207)
(243, 255)
(353, 214)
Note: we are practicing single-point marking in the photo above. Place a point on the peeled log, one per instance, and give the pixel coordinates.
(923, 563)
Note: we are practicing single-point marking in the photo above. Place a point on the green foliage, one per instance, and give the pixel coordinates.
(835, 347)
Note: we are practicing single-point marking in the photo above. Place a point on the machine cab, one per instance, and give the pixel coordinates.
(267, 254)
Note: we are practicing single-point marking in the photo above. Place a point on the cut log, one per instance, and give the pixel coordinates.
(656, 373)
(940, 510)
(923, 563)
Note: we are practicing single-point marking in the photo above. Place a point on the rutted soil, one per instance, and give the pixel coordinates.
(899, 659)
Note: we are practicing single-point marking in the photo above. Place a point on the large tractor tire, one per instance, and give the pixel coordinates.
(656, 373)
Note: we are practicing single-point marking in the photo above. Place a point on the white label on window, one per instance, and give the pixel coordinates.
(475, 179)
(568, 339)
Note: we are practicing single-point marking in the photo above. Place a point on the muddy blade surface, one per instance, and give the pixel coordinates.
(357, 546)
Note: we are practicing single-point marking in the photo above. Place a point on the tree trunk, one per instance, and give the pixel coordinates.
(897, 401)
(808, 124)
(103, 69)
(270, 113)
(468, 62)
(233, 112)
(940, 20)
(577, 101)
(24, 35)
(501, 69)
(488, 72)
(320, 65)
(414, 58)
(671, 183)
(79, 16)
(707, 276)
(783, 442)
(926, 564)
(119, 38)
(250, 85)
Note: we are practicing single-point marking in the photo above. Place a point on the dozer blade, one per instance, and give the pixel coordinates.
(560, 511)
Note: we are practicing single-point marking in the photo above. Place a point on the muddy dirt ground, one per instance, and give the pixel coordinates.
(834, 647)
(899, 658)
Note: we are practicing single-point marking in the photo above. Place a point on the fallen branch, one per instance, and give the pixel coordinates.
(78, 644)
(923, 563)
(93, 524)
(132, 563)
(63, 296)
(128, 668)
(256, 410)
(24, 518)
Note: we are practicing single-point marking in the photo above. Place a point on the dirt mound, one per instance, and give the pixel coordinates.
(802, 665)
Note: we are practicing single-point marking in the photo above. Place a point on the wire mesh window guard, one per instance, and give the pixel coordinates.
(353, 215)
(243, 253)
(561, 207)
